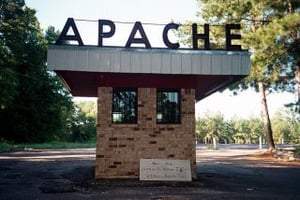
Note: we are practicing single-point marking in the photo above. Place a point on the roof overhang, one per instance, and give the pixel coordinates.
(84, 69)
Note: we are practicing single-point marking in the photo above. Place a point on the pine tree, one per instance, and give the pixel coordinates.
(268, 31)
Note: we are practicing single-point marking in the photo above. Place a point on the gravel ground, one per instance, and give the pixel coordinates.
(232, 172)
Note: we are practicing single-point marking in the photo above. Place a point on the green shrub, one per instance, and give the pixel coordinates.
(6, 146)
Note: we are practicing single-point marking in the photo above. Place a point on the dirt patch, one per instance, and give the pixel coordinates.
(267, 156)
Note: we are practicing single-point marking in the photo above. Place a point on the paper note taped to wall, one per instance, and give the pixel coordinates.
(165, 170)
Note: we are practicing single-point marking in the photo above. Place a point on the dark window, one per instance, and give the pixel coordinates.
(168, 107)
(124, 106)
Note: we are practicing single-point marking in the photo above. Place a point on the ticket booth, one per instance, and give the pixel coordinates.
(146, 99)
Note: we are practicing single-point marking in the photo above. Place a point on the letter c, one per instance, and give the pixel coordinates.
(165, 36)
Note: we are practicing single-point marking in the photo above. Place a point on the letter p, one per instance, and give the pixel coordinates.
(103, 34)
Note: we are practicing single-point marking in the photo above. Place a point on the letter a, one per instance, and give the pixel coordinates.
(143, 40)
(64, 37)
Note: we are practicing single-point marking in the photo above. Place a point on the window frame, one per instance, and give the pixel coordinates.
(177, 107)
(135, 106)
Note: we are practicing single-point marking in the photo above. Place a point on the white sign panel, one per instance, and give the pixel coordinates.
(165, 170)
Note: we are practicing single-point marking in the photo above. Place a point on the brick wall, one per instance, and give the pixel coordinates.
(121, 146)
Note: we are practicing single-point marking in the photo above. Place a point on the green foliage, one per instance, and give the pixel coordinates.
(89, 108)
(248, 131)
(8, 84)
(5, 146)
(82, 125)
(286, 125)
(55, 145)
(212, 126)
(51, 34)
(269, 31)
(34, 106)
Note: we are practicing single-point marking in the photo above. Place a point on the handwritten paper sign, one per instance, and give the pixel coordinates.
(165, 170)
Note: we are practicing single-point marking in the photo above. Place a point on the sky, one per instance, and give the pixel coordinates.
(56, 12)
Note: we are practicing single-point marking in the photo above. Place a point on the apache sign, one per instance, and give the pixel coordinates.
(143, 39)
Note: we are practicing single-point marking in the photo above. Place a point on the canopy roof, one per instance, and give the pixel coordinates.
(85, 68)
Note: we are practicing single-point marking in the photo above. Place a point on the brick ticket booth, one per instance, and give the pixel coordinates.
(146, 99)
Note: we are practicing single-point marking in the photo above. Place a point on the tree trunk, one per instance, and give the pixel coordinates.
(266, 117)
(297, 77)
(260, 142)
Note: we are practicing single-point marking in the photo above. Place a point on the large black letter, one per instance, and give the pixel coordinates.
(63, 36)
(143, 40)
(165, 36)
(197, 36)
(230, 37)
(102, 34)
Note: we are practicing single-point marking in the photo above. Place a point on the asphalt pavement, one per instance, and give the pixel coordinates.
(232, 172)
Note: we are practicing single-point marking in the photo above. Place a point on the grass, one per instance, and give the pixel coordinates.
(6, 146)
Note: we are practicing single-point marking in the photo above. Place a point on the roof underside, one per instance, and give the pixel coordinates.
(84, 69)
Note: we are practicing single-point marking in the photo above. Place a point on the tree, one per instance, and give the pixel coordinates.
(82, 126)
(242, 131)
(294, 51)
(228, 131)
(89, 108)
(212, 126)
(248, 130)
(34, 104)
(268, 27)
(8, 80)
(256, 129)
(51, 34)
(286, 126)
